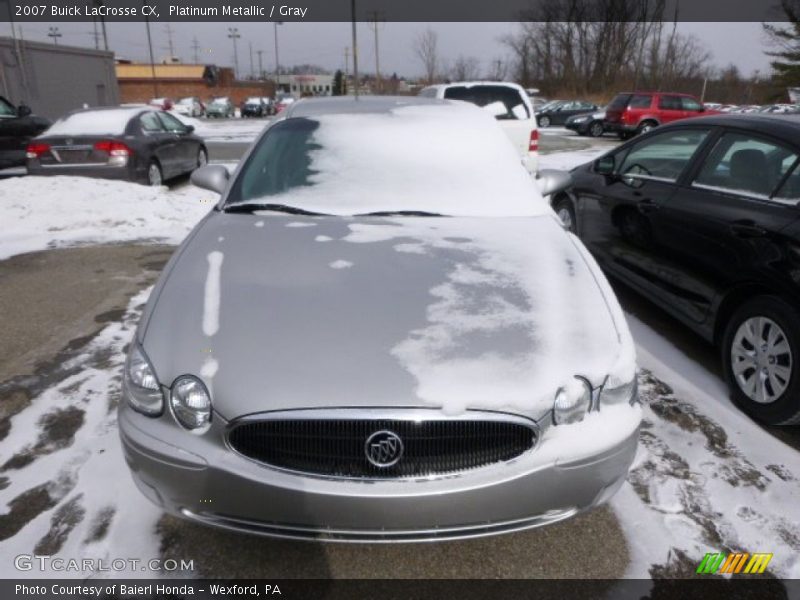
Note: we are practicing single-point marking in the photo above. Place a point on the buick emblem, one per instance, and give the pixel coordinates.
(383, 448)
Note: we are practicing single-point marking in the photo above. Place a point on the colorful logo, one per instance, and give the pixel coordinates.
(739, 562)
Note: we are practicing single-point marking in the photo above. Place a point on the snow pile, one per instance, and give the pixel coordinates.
(111, 121)
(48, 212)
(451, 159)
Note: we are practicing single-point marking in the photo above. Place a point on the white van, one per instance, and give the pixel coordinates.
(510, 105)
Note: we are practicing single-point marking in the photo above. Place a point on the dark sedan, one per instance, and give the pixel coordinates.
(557, 114)
(703, 218)
(135, 144)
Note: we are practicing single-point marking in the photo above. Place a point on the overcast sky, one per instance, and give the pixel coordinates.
(324, 43)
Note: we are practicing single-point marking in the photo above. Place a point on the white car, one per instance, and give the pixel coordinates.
(189, 107)
(510, 105)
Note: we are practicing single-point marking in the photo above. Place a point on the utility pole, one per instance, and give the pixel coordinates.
(277, 60)
(252, 73)
(196, 50)
(150, 47)
(233, 33)
(99, 3)
(374, 24)
(355, 45)
(260, 64)
(55, 34)
(95, 34)
(346, 68)
(171, 47)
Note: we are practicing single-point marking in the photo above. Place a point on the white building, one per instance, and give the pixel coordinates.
(308, 84)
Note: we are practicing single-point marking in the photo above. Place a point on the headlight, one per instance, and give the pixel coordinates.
(191, 403)
(580, 119)
(615, 393)
(141, 386)
(572, 402)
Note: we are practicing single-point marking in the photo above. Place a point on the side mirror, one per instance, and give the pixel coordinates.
(211, 177)
(189, 128)
(605, 165)
(23, 110)
(496, 109)
(552, 181)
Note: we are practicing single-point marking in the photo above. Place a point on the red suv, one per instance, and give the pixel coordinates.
(631, 113)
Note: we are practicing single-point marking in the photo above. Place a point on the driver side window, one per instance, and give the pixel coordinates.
(664, 156)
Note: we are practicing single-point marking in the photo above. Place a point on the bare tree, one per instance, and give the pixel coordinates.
(465, 68)
(426, 49)
(498, 69)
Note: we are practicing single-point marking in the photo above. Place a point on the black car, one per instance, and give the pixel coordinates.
(135, 144)
(17, 127)
(591, 124)
(254, 107)
(703, 217)
(557, 114)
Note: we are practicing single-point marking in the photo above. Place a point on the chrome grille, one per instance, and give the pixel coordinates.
(337, 447)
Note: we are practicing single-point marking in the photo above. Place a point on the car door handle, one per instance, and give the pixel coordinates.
(747, 229)
(647, 206)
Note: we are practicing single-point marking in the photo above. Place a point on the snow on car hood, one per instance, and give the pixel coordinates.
(277, 312)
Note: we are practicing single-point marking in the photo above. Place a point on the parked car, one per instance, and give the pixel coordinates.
(557, 114)
(254, 107)
(632, 113)
(270, 104)
(162, 103)
(592, 124)
(702, 217)
(190, 107)
(510, 105)
(220, 108)
(135, 144)
(17, 126)
(283, 102)
(304, 382)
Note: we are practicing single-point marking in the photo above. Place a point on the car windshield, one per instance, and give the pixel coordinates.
(448, 159)
(253, 101)
(186, 101)
(219, 101)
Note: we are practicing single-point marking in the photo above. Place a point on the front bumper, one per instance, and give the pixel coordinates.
(581, 127)
(570, 471)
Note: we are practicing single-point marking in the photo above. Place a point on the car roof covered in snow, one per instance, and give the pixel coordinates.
(311, 107)
(111, 120)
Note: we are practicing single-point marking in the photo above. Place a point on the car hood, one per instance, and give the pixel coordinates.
(277, 312)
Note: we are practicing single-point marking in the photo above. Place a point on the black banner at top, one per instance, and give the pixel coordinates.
(53, 11)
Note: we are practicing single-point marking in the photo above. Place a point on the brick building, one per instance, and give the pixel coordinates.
(137, 84)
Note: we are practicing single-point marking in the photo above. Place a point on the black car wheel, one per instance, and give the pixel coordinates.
(202, 158)
(154, 175)
(645, 127)
(544, 122)
(761, 360)
(596, 129)
(566, 212)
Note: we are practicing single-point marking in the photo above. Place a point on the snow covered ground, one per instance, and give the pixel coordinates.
(706, 479)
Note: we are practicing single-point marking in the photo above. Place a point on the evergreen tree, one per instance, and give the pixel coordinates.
(786, 40)
(338, 84)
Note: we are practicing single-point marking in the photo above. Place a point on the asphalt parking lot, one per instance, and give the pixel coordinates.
(59, 378)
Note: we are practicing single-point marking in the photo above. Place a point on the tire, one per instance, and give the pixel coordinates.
(202, 157)
(596, 129)
(624, 135)
(544, 122)
(566, 212)
(646, 126)
(761, 360)
(154, 176)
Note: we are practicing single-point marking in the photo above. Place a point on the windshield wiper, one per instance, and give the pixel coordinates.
(249, 207)
(400, 213)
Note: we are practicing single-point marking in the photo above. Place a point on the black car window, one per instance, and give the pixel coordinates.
(670, 103)
(691, 104)
(279, 163)
(619, 102)
(663, 156)
(7, 109)
(640, 101)
(746, 164)
(151, 123)
(171, 123)
(483, 95)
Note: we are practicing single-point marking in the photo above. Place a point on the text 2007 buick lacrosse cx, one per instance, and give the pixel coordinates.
(381, 333)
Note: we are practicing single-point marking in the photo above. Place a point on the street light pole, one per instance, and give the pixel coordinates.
(233, 33)
(152, 59)
(355, 46)
(55, 34)
(277, 59)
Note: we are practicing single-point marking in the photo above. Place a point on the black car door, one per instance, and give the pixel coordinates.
(160, 143)
(618, 213)
(15, 133)
(185, 146)
(725, 225)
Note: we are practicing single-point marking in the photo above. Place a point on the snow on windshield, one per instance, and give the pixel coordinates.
(451, 159)
(94, 122)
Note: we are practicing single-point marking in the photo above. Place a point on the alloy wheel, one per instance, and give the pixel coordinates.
(154, 175)
(761, 359)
